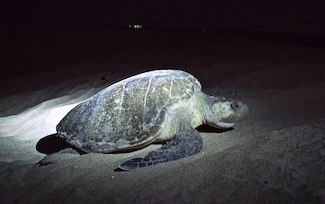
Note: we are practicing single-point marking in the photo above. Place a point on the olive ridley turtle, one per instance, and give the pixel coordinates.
(155, 106)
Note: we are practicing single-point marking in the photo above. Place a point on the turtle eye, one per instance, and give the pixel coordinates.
(234, 104)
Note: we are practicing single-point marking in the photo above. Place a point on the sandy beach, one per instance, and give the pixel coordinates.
(277, 155)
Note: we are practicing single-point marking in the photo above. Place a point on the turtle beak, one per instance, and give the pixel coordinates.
(223, 125)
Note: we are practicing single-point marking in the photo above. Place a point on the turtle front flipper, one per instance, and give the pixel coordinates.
(186, 143)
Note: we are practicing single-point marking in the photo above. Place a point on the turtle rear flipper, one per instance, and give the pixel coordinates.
(186, 143)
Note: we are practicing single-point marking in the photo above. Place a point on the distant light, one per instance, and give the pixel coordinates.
(135, 26)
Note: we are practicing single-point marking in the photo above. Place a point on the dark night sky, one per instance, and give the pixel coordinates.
(304, 16)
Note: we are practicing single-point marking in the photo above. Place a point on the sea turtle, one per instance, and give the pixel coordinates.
(155, 106)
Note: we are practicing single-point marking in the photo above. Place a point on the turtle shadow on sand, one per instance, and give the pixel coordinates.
(52, 143)
(208, 129)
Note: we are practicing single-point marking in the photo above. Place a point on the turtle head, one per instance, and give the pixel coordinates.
(223, 112)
